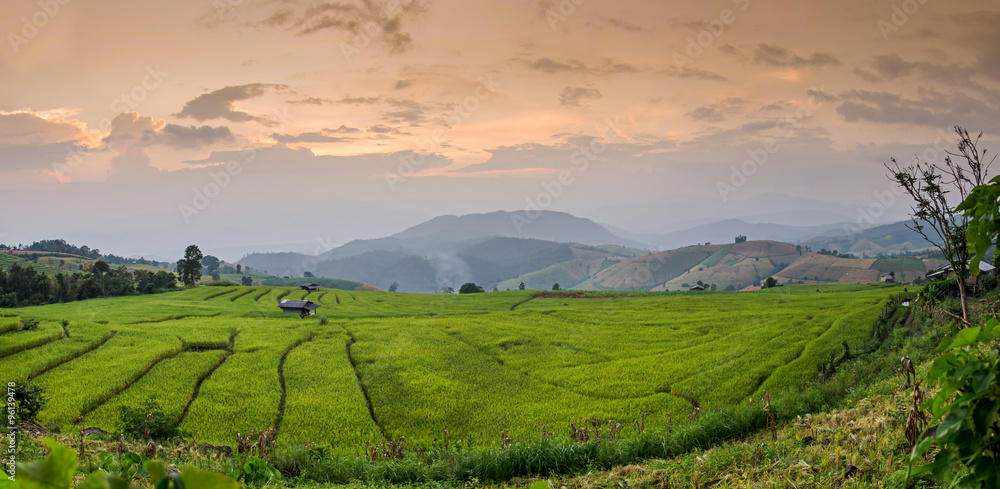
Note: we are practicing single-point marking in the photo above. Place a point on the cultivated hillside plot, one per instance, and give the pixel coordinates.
(225, 360)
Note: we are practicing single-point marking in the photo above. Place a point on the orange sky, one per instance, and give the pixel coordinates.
(493, 98)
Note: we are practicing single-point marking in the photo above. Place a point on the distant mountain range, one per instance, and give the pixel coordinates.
(502, 249)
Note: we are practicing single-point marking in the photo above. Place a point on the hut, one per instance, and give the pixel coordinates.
(302, 308)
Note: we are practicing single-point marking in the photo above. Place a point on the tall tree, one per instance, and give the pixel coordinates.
(189, 267)
(929, 185)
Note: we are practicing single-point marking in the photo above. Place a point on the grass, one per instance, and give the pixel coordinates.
(474, 365)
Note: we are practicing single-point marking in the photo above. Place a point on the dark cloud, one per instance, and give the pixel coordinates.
(931, 108)
(717, 112)
(624, 25)
(773, 55)
(688, 72)
(577, 96)
(311, 101)
(383, 129)
(308, 137)
(342, 130)
(608, 66)
(979, 34)
(219, 104)
(401, 84)
(381, 20)
(193, 137)
(37, 157)
(774, 106)
(399, 110)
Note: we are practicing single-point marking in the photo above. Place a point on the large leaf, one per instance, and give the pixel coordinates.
(54, 472)
(201, 479)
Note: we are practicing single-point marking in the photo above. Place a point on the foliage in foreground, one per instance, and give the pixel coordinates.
(56, 471)
(967, 407)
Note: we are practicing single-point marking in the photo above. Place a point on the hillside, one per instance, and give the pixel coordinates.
(745, 265)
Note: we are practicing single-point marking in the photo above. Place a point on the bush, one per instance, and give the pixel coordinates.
(222, 283)
(134, 422)
(29, 399)
(29, 324)
(470, 288)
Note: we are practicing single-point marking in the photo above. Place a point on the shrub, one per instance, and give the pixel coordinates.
(147, 421)
(29, 324)
(222, 283)
(29, 399)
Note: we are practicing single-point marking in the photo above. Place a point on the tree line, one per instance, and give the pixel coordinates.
(24, 286)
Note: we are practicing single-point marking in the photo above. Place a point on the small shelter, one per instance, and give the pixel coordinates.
(947, 272)
(697, 287)
(302, 308)
(311, 287)
(887, 278)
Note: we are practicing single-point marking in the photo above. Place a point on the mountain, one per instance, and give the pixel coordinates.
(725, 231)
(738, 266)
(887, 238)
(544, 225)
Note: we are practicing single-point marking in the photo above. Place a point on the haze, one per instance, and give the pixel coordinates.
(239, 125)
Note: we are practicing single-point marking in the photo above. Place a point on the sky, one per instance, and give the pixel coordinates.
(141, 127)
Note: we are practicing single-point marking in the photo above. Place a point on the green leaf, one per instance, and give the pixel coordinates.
(965, 337)
(54, 472)
(201, 479)
(94, 481)
(952, 422)
(540, 485)
(156, 470)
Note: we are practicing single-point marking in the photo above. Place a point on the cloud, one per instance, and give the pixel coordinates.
(342, 130)
(575, 96)
(403, 111)
(624, 25)
(608, 66)
(717, 112)
(774, 55)
(27, 127)
(219, 104)
(383, 20)
(401, 84)
(931, 108)
(181, 137)
(308, 137)
(131, 134)
(311, 101)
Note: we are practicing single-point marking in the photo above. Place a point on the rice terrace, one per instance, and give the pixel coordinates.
(225, 360)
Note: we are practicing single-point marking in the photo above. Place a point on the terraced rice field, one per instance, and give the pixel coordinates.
(222, 361)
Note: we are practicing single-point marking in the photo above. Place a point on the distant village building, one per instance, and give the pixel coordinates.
(887, 278)
(697, 287)
(310, 287)
(947, 272)
(300, 307)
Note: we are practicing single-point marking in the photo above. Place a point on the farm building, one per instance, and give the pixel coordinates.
(887, 278)
(697, 287)
(947, 272)
(302, 308)
(310, 287)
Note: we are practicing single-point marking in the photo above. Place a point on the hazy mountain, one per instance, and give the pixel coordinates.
(723, 232)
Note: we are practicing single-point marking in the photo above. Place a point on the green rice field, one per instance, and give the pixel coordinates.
(376, 365)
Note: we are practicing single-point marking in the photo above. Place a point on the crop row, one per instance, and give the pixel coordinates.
(78, 386)
(26, 364)
(170, 383)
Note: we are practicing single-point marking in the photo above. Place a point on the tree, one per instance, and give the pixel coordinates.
(239, 269)
(447, 290)
(210, 263)
(929, 185)
(246, 280)
(308, 275)
(393, 287)
(555, 286)
(798, 248)
(189, 267)
(713, 287)
(216, 276)
(470, 288)
(521, 286)
(770, 282)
